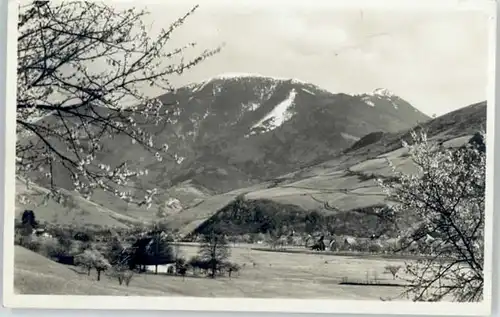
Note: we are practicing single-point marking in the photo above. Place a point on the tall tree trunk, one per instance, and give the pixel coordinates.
(156, 269)
(88, 271)
(214, 269)
(98, 275)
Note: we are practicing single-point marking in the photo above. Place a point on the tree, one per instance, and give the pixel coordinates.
(114, 251)
(122, 274)
(29, 219)
(92, 259)
(177, 254)
(276, 237)
(101, 265)
(181, 267)
(214, 250)
(195, 263)
(232, 267)
(393, 269)
(182, 271)
(28, 223)
(85, 260)
(447, 197)
(82, 67)
(160, 251)
(50, 247)
(314, 222)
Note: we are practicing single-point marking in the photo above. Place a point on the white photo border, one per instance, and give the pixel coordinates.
(12, 300)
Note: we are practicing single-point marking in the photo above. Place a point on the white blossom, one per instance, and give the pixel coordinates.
(60, 74)
(447, 197)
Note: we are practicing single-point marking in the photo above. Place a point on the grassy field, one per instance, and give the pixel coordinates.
(80, 211)
(310, 188)
(275, 275)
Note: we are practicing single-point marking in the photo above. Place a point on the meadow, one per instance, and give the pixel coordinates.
(263, 275)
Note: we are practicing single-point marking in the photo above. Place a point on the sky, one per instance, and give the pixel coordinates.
(436, 60)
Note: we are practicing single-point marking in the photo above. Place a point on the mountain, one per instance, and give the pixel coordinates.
(237, 130)
(343, 187)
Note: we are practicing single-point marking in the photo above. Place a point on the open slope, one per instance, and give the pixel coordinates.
(316, 276)
(336, 178)
(345, 183)
(35, 274)
(237, 130)
(342, 184)
(76, 210)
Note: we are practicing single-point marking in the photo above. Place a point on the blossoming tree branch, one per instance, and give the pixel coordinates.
(445, 200)
(81, 69)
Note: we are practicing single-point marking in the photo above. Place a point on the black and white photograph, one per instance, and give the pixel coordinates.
(263, 150)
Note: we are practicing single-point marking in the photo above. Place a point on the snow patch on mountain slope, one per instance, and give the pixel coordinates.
(196, 87)
(224, 76)
(378, 94)
(251, 106)
(234, 76)
(382, 92)
(267, 92)
(308, 91)
(280, 114)
(348, 136)
(246, 107)
(368, 101)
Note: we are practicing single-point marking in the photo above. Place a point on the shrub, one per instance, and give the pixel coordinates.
(30, 243)
(195, 263)
(122, 274)
(113, 251)
(82, 236)
(393, 269)
(231, 268)
(180, 262)
(127, 277)
(374, 247)
(50, 247)
(77, 247)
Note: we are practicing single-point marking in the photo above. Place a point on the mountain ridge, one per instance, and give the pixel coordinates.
(224, 134)
(347, 181)
(344, 182)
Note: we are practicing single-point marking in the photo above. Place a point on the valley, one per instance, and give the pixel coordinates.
(310, 167)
